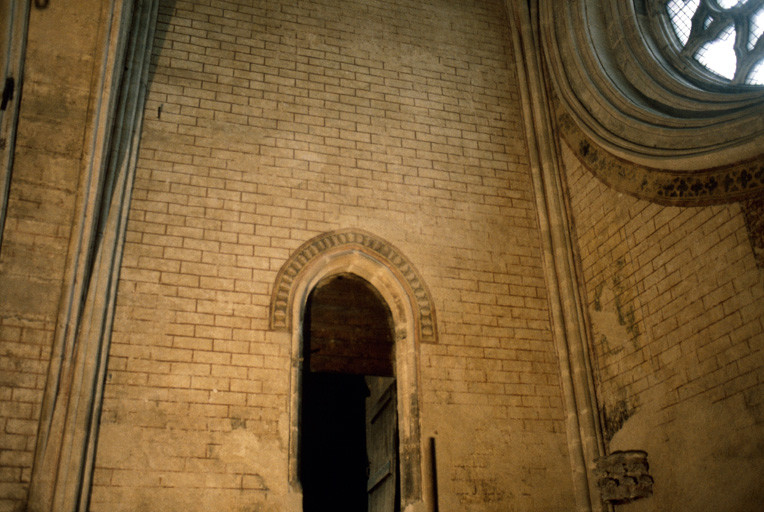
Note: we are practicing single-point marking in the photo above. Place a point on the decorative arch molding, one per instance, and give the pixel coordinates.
(413, 322)
(324, 246)
(636, 119)
(727, 183)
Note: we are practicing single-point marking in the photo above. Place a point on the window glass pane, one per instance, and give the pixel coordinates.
(756, 76)
(726, 4)
(680, 14)
(719, 54)
(756, 28)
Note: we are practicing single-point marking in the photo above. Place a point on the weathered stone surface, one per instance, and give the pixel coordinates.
(623, 476)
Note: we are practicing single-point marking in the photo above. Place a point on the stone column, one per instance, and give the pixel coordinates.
(68, 432)
(568, 317)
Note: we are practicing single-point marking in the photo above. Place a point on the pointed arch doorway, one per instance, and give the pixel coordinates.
(348, 445)
(397, 285)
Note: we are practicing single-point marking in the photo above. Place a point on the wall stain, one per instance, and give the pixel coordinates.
(615, 416)
(753, 213)
(624, 312)
(598, 296)
(609, 349)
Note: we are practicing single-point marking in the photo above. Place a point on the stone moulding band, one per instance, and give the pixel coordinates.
(716, 185)
(365, 242)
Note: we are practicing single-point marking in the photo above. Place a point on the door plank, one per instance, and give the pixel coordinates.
(382, 444)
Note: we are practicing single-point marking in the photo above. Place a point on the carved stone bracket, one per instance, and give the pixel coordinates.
(362, 241)
(623, 476)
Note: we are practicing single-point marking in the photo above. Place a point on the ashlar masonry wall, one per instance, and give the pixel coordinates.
(267, 124)
(676, 303)
(58, 91)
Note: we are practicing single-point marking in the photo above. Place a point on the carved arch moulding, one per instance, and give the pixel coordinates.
(314, 250)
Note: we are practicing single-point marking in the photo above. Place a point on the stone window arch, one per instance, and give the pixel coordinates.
(636, 119)
(401, 287)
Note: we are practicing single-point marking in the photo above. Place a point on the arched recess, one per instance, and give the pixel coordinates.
(413, 318)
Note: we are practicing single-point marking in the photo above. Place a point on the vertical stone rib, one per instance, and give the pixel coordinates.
(582, 424)
(68, 434)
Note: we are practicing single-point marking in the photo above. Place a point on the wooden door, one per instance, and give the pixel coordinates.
(382, 445)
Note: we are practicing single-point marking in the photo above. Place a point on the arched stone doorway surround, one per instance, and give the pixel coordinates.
(413, 318)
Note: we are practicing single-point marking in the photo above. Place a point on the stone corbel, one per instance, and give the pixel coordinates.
(623, 476)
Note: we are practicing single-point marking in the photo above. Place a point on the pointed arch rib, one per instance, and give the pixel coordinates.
(379, 253)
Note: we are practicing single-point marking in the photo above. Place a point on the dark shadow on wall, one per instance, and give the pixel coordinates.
(167, 9)
(124, 140)
(348, 338)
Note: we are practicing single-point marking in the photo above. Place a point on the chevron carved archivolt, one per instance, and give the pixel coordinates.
(367, 243)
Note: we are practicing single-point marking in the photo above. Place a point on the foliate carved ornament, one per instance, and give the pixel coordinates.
(623, 476)
(716, 185)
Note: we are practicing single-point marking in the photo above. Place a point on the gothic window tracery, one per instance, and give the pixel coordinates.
(722, 37)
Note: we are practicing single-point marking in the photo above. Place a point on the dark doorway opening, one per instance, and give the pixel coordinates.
(334, 460)
(348, 460)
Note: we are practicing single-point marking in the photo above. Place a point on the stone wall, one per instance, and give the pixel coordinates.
(55, 116)
(348, 329)
(676, 304)
(270, 124)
